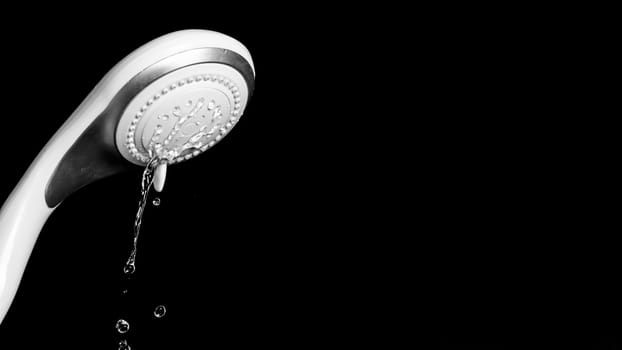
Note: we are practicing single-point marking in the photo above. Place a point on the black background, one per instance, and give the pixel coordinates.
(405, 171)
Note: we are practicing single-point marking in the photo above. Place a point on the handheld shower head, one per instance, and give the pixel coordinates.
(173, 98)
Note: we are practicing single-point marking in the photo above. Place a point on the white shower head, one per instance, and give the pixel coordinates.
(184, 112)
(173, 98)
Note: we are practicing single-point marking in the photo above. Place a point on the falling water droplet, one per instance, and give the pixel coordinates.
(129, 269)
(123, 326)
(123, 345)
(159, 311)
(156, 201)
(125, 291)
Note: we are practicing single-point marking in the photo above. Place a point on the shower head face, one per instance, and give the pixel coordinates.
(182, 113)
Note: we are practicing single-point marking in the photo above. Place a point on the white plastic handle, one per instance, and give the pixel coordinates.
(21, 218)
(25, 211)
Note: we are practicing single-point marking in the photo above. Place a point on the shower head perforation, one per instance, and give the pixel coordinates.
(180, 120)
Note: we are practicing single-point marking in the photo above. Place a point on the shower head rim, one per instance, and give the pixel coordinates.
(166, 66)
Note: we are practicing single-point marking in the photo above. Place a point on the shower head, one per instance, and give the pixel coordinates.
(173, 98)
(181, 114)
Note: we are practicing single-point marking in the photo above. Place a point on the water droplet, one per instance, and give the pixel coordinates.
(129, 269)
(159, 311)
(189, 103)
(156, 201)
(123, 326)
(125, 291)
(211, 105)
(123, 345)
(177, 111)
(196, 137)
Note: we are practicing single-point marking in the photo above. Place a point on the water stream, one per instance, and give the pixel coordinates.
(129, 268)
(147, 181)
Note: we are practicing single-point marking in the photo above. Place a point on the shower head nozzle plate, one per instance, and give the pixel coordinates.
(182, 113)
